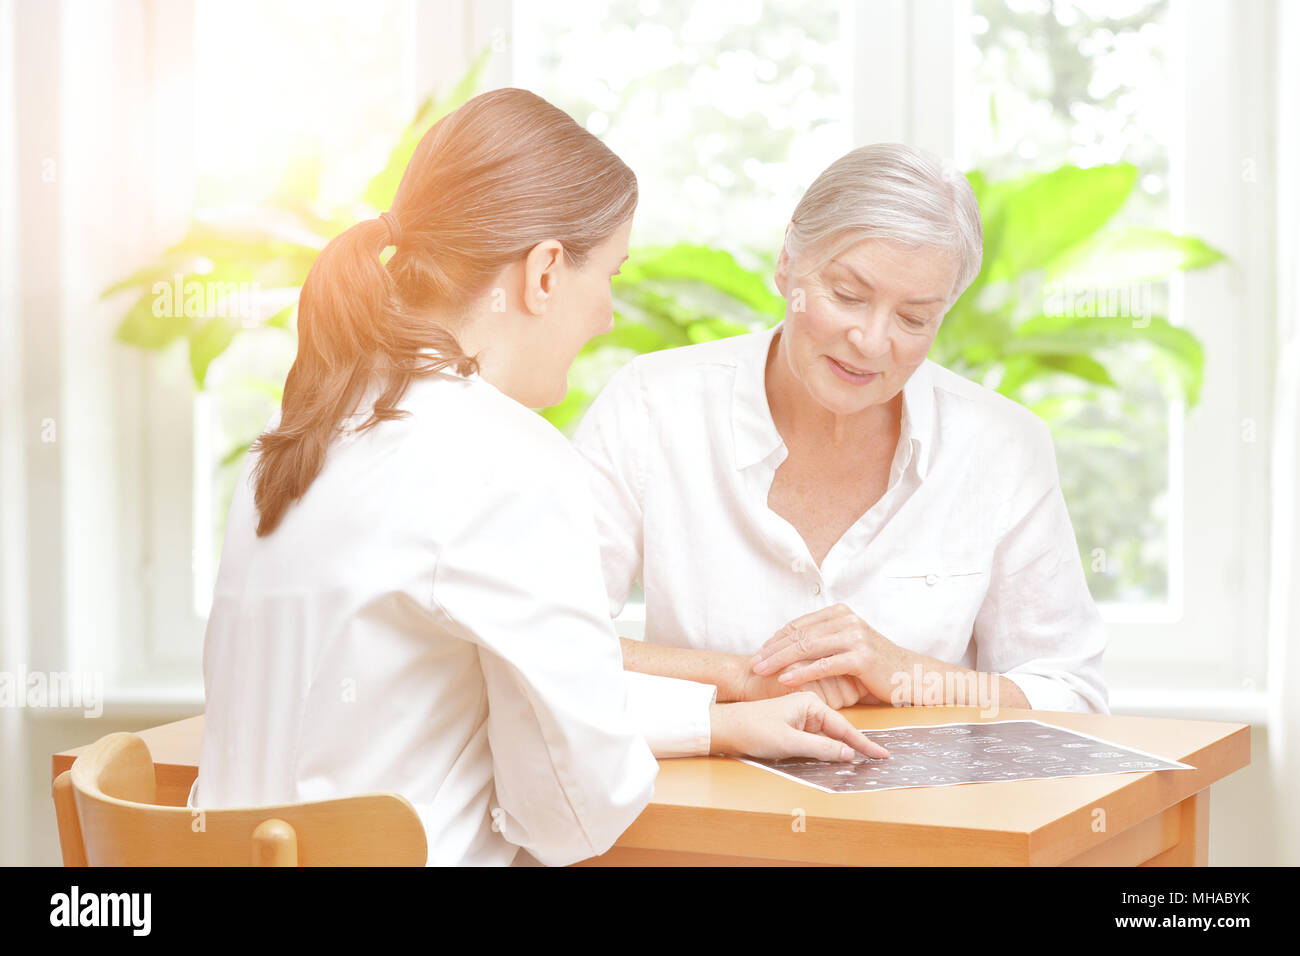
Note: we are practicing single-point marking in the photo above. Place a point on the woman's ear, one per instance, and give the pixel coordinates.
(541, 274)
(782, 275)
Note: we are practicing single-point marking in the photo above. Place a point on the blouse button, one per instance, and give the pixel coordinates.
(932, 579)
(816, 589)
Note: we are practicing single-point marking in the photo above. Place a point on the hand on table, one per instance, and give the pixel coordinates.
(832, 643)
(795, 725)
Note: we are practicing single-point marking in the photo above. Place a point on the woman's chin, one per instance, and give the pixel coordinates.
(549, 397)
(839, 398)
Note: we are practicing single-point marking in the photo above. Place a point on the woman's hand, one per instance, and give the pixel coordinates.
(830, 643)
(836, 692)
(796, 725)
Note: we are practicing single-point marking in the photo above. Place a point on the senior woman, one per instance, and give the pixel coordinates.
(819, 506)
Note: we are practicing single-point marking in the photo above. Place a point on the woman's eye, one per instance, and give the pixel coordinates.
(912, 321)
(846, 298)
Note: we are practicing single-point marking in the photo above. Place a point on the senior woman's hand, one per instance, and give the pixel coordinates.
(833, 642)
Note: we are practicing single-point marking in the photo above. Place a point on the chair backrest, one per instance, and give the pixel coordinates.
(107, 817)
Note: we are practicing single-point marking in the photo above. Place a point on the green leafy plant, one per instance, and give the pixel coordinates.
(1042, 232)
(271, 252)
(1049, 231)
(1039, 230)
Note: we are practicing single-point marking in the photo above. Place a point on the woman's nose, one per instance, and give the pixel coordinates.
(871, 335)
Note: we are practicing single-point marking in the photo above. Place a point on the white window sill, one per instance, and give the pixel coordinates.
(168, 702)
(160, 703)
(1233, 706)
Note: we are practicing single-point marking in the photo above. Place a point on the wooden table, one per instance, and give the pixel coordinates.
(716, 811)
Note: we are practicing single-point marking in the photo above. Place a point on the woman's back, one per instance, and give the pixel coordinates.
(429, 618)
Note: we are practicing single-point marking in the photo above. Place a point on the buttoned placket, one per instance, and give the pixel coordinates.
(783, 537)
(787, 540)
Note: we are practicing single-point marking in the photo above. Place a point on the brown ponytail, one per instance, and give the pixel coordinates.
(487, 183)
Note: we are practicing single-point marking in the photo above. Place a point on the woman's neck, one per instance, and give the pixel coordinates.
(797, 414)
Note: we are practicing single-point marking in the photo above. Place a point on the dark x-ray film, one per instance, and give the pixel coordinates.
(944, 755)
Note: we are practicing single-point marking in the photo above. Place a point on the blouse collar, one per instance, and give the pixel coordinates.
(755, 432)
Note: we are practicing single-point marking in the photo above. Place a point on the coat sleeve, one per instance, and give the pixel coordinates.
(672, 714)
(521, 579)
(613, 438)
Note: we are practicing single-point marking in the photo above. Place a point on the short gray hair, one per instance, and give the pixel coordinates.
(896, 192)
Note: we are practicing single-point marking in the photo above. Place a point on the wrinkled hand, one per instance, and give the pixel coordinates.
(831, 643)
(796, 725)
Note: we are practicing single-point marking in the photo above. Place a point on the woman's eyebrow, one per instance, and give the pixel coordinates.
(853, 272)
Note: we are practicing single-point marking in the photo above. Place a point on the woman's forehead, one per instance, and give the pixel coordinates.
(887, 264)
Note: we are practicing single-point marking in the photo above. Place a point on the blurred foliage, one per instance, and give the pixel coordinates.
(1039, 229)
(1070, 79)
(753, 97)
(1051, 238)
(1090, 83)
(1042, 232)
(273, 252)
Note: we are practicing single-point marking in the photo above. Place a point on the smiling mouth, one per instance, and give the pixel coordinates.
(851, 371)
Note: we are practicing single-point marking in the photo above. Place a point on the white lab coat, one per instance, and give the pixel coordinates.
(430, 619)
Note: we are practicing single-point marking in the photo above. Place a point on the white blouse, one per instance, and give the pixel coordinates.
(968, 557)
(429, 618)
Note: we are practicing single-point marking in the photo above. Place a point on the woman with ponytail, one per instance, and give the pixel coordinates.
(410, 595)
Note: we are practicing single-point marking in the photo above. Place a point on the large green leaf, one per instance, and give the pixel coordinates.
(161, 270)
(1045, 215)
(208, 341)
(641, 337)
(248, 246)
(172, 305)
(1085, 336)
(716, 268)
(208, 249)
(143, 328)
(1120, 256)
(709, 330)
(1021, 369)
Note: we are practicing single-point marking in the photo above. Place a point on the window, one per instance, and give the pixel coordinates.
(700, 103)
(283, 106)
(1090, 84)
(322, 111)
(727, 112)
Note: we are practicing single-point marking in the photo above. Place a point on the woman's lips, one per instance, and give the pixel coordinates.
(851, 375)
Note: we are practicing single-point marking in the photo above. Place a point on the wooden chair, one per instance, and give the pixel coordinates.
(108, 817)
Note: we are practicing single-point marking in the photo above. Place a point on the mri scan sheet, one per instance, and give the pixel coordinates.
(943, 755)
